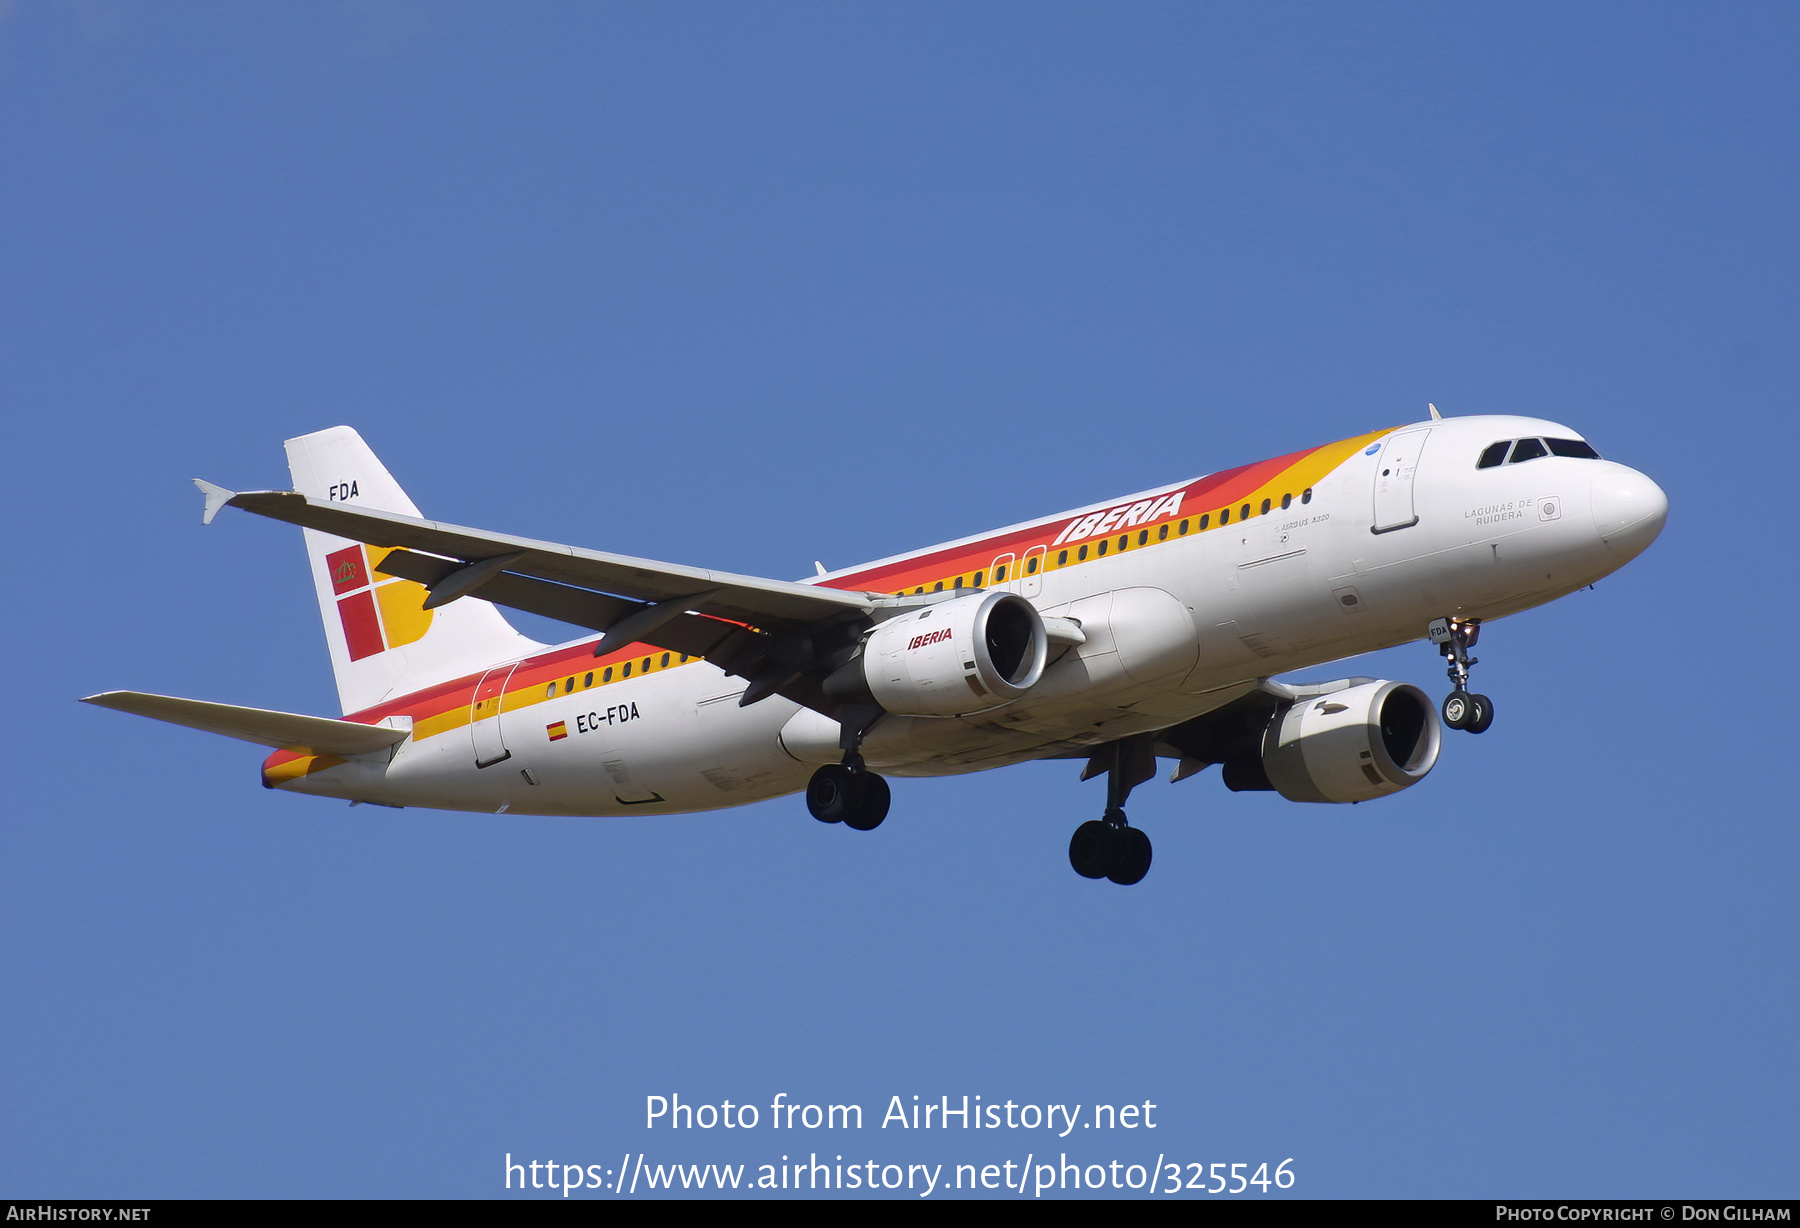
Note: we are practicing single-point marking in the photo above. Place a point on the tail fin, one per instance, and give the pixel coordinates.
(382, 642)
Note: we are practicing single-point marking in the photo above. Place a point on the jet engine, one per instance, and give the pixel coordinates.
(948, 659)
(1352, 745)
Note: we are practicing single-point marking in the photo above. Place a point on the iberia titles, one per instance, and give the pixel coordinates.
(1125, 516)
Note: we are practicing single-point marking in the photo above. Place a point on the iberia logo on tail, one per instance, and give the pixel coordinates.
(378, 613)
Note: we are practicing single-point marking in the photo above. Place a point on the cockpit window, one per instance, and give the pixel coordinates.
(1493, 454)
(1578, 448)
(1528, 449)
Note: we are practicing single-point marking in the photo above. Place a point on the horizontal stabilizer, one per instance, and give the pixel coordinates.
(282, 730)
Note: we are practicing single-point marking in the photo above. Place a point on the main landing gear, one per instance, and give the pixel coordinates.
(848, 793)
(1462, 710)
(1109, 847)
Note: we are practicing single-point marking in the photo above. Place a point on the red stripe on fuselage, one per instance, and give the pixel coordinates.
(1209, 493)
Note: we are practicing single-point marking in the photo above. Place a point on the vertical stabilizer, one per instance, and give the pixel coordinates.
(382, 642)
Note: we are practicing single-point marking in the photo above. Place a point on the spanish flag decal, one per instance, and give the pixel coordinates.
(558, 731)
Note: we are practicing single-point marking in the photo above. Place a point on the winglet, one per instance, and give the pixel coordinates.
(216, 498)
(1435, 415)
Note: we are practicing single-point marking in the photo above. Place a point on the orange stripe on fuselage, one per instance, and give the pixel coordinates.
(285, 765)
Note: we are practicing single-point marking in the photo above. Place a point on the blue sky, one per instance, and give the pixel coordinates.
(749, 286)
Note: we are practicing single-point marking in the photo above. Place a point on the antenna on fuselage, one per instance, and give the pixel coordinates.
(1435, 415)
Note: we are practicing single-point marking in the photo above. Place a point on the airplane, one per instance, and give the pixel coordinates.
(1142, 628)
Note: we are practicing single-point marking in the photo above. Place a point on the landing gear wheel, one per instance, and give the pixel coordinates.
(831, 793)
(838, 793)
(1133, 858)
(1459, 709)
(1484, 714)
(1093, 849)
(872, 798)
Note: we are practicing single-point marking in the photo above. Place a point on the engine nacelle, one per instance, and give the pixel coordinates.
(1352, 745)
(950, 658)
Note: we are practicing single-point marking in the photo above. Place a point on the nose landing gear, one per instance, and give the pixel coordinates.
(1454, 638)
(1109, 847)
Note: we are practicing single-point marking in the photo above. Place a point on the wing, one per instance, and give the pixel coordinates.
(783, 636)
(746, 599)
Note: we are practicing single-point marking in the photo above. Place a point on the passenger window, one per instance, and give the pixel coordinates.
(1124, 540)
(1225, 516)
(1527, 449)
(1101, 548)
(626, 672)
(1143, 536)
(1244, 512)
(1081, 554)
(646, 665)
(977, 580)
(684, 658)
(1493, 454)
(665, 660)
(938, 587)
(1266, 506)
(1286, 500)
(1062, 558)
(1000, 574)
(550, 692)
(1031, 566)
(1306, 495)
(587, 681)
(607, 676)
(1162, 533)
(568, 685)
(1203, 523)
(1577, 448)
(1183, 529)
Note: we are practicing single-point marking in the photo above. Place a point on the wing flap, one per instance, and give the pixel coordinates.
(695, 634)
(283, 730)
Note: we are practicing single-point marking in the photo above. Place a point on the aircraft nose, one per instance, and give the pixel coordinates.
(1629, 509)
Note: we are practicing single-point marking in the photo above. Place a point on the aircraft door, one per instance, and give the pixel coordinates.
(1031, 572)
(1004, 574)
(1395, 470)
(484, 717)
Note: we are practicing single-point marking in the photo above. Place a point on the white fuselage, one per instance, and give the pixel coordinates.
(1171, 632)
